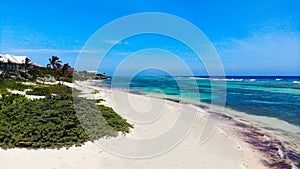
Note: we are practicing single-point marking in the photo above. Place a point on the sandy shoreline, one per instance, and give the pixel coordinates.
(229, 147)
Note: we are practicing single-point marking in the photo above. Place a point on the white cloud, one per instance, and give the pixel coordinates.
(269, 53)
(114, 42)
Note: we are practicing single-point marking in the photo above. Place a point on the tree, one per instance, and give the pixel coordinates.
(9, 65)
(65, 69)
(55, 62)
(49, 66)
(27, 64)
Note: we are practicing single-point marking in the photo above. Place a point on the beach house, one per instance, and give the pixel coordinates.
(11, 62)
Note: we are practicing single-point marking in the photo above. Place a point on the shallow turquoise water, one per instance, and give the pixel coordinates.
(263, 96)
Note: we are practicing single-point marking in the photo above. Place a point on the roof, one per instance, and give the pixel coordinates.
(14, 59)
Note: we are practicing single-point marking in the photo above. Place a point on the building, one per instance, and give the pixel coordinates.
(11, 62)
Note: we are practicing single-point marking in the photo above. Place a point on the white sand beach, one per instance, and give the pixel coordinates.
(222, 150)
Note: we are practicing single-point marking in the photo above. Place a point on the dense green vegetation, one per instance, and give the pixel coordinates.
(42, 72)
(59, 120)
(98, 120)
(7, 100)
(56, 121)
(39, 91)
(44, 90)
(13, 85)
(69, 79)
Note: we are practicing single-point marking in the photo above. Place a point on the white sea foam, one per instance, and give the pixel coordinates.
(216, 79)
(181, 77)
(234, 80)
(278, 79)
(252, 80)
(296, 82)
(201, 78)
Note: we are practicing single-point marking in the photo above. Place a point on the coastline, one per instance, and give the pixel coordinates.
(229, 147)
(275, 140)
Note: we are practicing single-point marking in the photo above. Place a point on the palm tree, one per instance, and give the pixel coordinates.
(9, 65)
(27, 63)
(55, 62)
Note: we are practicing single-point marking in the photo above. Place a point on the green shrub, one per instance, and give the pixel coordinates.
(39, 91)
(53, 122)
(13, 84)
(45, 90)
(69, 79)
(60, 89)
(8, 99)
(115, 120)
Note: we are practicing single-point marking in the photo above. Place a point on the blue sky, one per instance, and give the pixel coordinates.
(251, 37)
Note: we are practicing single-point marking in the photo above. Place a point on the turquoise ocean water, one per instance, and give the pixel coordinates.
(277, 97)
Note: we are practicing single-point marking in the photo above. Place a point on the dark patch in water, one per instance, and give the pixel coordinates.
(172, 93)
